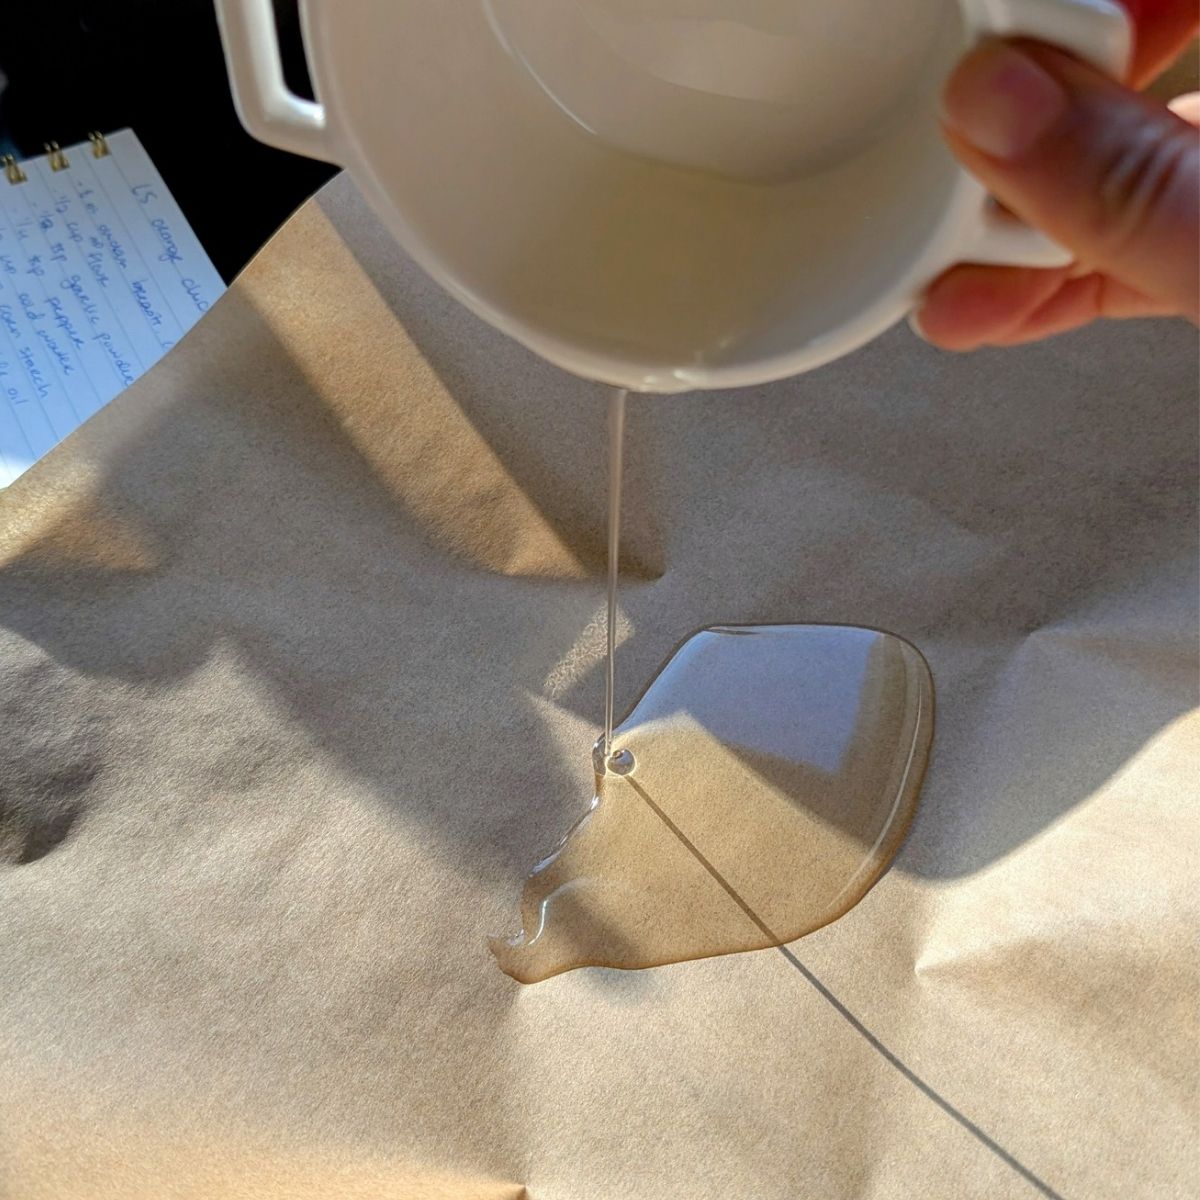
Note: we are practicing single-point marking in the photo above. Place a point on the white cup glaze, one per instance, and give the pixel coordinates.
(660, 194)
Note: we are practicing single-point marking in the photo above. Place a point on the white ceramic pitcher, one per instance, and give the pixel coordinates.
(660, 194)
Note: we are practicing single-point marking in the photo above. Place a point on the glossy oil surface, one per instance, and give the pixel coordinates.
(776, 770)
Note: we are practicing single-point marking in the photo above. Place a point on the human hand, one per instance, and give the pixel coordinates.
(1111, 175)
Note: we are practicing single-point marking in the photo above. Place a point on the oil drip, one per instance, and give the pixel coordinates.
(757, 790)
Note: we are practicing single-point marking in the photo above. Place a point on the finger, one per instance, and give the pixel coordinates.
(1109, 174)
(971, 305)
(1162, 29)
(1078, 302)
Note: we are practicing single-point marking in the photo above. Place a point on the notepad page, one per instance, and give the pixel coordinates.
(100, 275)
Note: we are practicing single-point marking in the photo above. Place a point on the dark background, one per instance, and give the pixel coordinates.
(156, 66)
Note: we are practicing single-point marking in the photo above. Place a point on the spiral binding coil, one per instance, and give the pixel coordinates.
(56, 157)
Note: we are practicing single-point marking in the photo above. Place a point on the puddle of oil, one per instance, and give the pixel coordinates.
(760, 786)
(772, 773)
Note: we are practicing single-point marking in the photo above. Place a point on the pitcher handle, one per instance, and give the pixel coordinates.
(268, 109)
(1098, 32)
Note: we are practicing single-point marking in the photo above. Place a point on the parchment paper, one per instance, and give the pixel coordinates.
(300, 671)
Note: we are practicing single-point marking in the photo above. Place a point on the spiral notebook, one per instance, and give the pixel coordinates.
(100, 275)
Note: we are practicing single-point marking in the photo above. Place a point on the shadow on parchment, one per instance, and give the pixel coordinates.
(242, 507)
(234, 515)
(981, 506)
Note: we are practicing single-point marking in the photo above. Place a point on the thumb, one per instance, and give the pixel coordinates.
(1109, 174)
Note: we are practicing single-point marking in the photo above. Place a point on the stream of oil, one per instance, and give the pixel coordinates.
(759, 787)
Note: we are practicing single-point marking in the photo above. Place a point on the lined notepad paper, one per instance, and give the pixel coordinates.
(100, 275)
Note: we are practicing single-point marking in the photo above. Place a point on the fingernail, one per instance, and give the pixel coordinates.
(914, 323)
(1187, 107)
(1001, 101)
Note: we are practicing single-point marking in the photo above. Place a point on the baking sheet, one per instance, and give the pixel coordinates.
(300, 668)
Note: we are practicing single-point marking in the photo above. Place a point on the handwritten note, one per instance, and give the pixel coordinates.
(100, 275)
